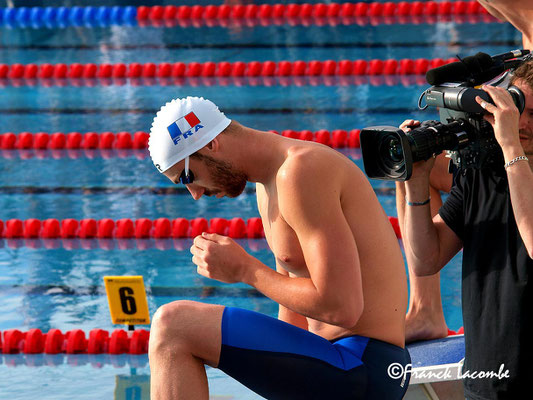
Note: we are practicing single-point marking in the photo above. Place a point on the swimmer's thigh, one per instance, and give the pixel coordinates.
(281, 361)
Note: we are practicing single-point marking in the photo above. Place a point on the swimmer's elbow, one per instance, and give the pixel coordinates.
(349, 321)
(342, 309)
(347, 316)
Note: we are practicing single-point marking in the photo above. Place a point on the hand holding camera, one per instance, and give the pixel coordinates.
(423, 168)
(503, 115)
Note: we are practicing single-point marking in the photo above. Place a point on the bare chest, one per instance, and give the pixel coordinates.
(281, 238)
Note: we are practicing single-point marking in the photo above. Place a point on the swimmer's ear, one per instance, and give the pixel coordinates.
(213, 145)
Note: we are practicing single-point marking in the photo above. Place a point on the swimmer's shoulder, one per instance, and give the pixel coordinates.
(316, 164)
(304, 162)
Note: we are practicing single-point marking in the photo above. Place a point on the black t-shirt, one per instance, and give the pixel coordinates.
(496, 291)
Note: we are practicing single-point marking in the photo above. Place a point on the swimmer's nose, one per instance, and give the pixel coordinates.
(195, 191)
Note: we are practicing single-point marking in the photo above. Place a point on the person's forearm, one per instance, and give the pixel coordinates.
(520, 179)
(422, 239)
(301, 296)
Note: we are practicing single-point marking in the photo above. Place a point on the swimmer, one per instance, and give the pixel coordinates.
(340, 280)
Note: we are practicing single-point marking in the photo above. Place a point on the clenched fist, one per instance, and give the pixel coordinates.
(219, 257)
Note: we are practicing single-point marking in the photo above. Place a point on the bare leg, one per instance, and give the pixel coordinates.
(425, 318)
(184, 336)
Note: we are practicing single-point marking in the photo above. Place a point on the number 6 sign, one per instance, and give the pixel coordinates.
(127, 300)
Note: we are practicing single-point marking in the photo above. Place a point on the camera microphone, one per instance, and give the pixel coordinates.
(460, 71)
(475, 69)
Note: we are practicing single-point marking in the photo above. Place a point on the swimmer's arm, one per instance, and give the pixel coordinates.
(333, 294)
(286, 315)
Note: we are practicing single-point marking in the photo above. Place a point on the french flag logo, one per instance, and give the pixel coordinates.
(182, 126)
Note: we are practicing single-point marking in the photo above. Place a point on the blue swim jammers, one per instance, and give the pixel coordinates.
(278, 360)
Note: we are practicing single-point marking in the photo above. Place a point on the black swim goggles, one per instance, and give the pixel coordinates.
(186, 176)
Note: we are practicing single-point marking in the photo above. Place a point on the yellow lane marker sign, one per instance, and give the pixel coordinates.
(127, 300)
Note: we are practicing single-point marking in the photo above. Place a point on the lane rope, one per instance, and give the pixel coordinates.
(338, 138)
(77, 74)
(226, 15)
(142, 228)
(54, 341)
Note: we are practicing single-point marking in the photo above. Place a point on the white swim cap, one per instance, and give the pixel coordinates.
(181, 128)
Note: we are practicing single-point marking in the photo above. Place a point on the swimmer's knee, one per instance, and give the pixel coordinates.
(170, 316)
(178, 328)
(169, 330)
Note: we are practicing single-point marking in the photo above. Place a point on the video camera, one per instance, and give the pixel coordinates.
(389, 153)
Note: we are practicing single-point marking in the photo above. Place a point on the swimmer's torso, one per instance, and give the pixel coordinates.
(382, 269)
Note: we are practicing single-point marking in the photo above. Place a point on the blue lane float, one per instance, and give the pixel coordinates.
(61, 17)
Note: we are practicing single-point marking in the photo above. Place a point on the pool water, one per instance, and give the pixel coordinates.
(60, 285)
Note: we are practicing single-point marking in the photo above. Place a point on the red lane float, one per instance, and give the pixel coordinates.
(73, 140)
(75, 72)
(74, 342)
(304, 13)
(143, 228)
(337, 138)
(363, 15)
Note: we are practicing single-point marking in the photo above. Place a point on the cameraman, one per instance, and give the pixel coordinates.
(489, 214)
(425, 318)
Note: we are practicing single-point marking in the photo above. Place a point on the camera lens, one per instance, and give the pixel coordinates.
(395, 149)
(390, 152)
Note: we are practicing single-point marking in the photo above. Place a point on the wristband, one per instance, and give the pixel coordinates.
(519, 158)
(417, 203)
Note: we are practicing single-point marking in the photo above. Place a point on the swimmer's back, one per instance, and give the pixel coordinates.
(382, 268)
